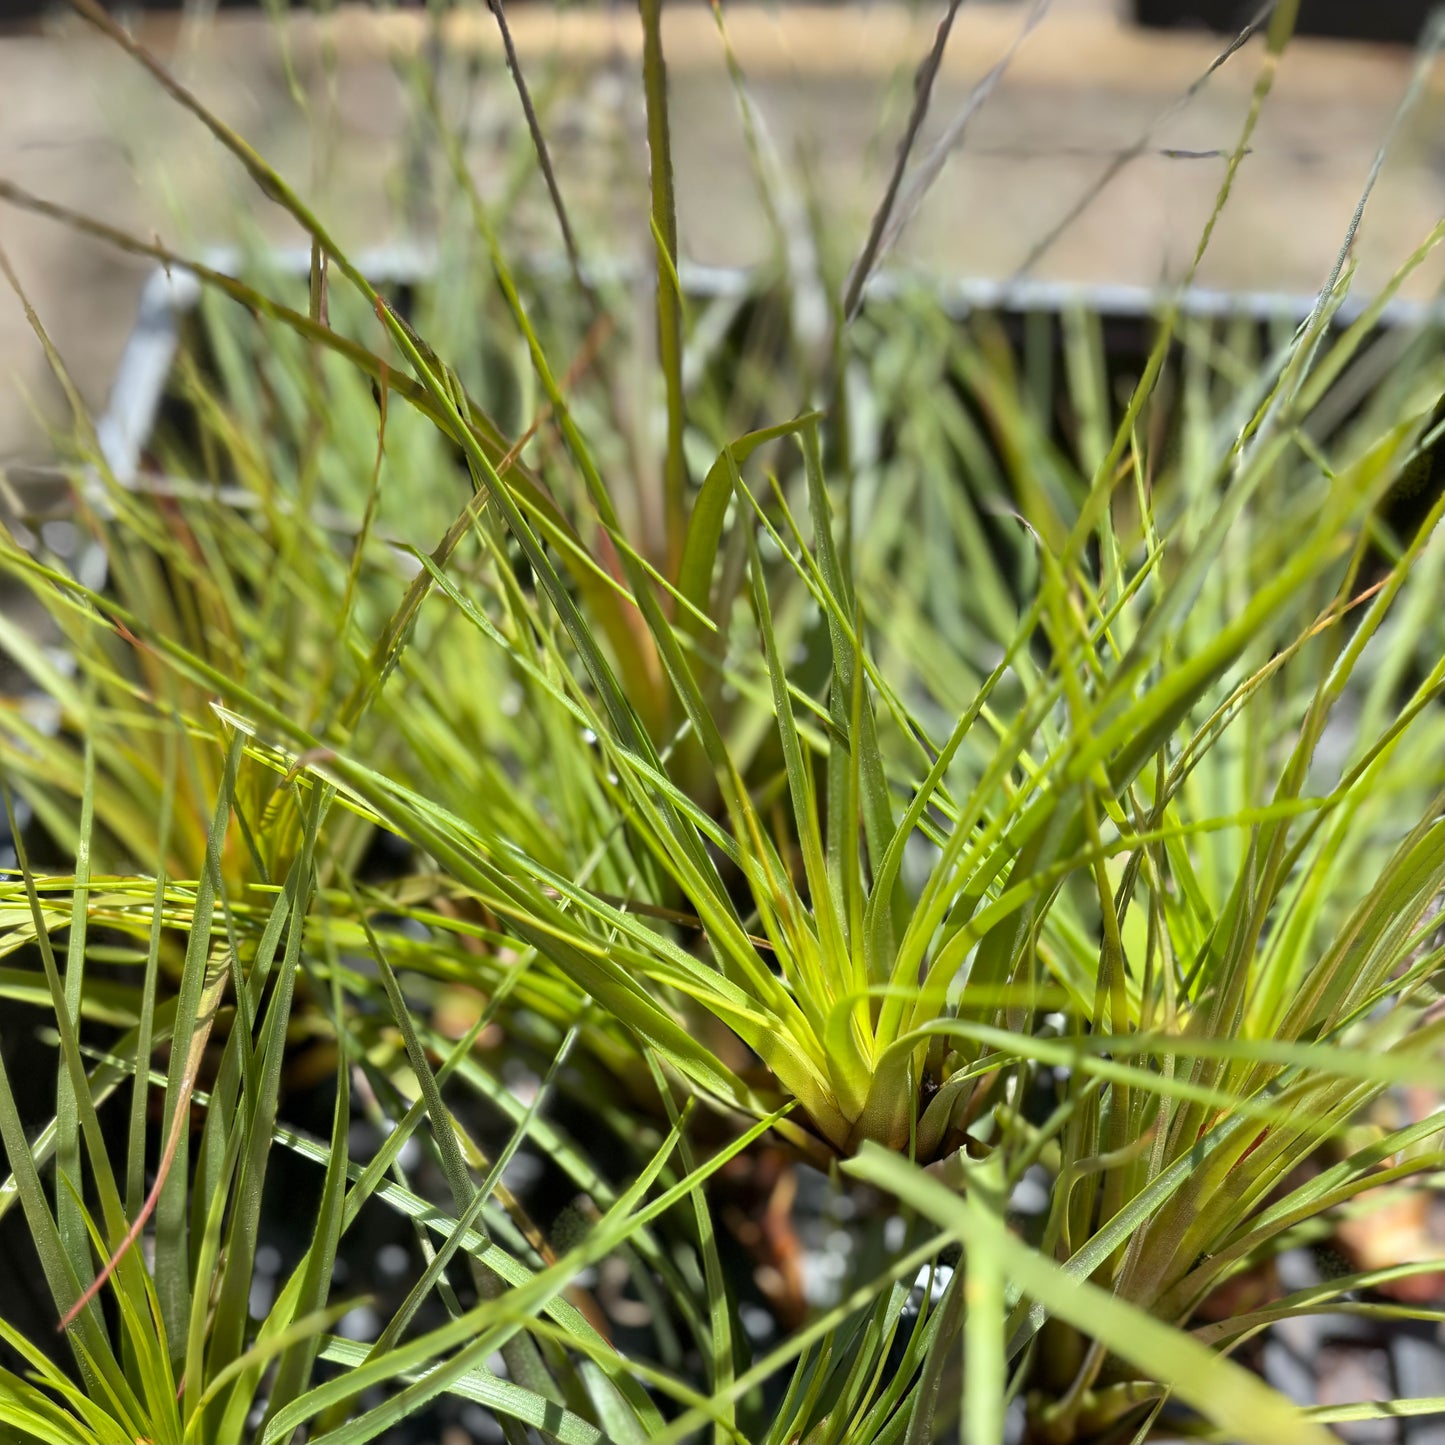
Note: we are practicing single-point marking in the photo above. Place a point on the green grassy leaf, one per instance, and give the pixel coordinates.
(1235, 1400)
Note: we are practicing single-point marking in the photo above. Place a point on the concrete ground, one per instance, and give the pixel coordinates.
(322, 99)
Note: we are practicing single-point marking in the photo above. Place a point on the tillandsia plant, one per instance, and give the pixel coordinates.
(960, 800)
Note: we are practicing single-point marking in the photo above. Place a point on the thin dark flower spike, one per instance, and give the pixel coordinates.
(931, 166)
(544, 156)
(1140, 147)
(922, 96)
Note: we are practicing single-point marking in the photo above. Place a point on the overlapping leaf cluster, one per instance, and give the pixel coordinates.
(955, 745)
